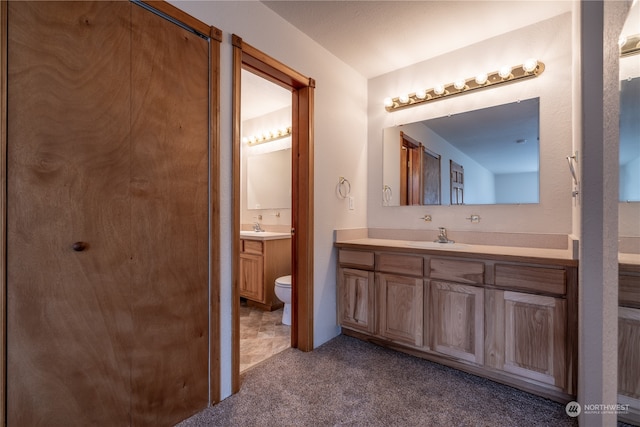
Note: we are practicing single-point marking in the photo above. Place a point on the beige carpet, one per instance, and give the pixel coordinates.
(347, 382)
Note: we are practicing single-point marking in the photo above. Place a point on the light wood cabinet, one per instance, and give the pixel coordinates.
(457, 313)
(356, 299)
(629, 343)
(261, 263)
(509, 319)
(251, 277)
(401, 308)
(532, 338)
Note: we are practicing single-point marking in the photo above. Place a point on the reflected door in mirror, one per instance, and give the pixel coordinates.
(430, 177)
(419, 173)
(457, 183)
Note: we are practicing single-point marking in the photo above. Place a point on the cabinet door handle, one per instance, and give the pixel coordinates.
(79, 246)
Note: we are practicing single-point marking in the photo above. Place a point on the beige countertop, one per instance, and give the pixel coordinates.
(629, 259)
(264, 235)
(562, 256)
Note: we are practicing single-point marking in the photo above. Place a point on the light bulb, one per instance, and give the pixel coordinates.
(421, 94)
(504, 71)
(459, 84)
(388, 102)
(622, 41)
(439, 89)
(530, 65)
(245, 140)
(481, 78)
(404, 99)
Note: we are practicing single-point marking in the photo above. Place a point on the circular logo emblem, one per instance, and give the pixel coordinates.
(573, 409)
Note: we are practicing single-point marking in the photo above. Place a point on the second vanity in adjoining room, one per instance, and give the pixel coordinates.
(264, 256)
(509, 315)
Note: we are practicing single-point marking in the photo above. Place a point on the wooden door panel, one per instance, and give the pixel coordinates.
(251, 277)
(401, 308)
(535, 329)
(68, 325)
(356, 299)
(629, 352)
(458, 320)
(169, 178)
(431, 178)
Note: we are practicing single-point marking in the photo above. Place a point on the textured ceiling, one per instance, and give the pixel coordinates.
(376, 37)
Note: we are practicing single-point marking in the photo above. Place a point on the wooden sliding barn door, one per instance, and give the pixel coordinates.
(107, 216)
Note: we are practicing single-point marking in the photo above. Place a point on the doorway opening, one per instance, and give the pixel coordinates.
(246, 252)
(265, 219)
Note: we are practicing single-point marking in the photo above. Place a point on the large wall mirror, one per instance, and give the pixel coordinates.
(265, 154)
(630, 109)
(487, 156)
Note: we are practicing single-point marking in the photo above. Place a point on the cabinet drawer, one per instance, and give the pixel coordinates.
(456, 270)
(629, 291)
(355, 258)
(252, 246)
(396, 263)
(533, 279)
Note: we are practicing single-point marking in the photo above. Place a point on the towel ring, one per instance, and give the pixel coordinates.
(386, 194)
(344, 187)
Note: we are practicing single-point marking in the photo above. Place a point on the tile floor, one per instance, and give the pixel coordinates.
(262, 335)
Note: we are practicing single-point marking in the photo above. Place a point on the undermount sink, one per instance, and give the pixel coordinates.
(263, 235)
(437, 245)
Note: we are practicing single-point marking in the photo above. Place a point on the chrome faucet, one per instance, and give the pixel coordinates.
(257, 228)
(442, 236)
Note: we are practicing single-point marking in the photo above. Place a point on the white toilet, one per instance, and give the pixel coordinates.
(283, 292)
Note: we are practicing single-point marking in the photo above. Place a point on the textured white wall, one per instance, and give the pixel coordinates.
(550, 41)
(340, 147)
(601, 23)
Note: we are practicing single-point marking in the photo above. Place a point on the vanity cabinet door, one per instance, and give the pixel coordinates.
(629, 361)
(629, 343)
(401, 308)
(532, 338)
(458, 320)
(251, 277)
(356, 299)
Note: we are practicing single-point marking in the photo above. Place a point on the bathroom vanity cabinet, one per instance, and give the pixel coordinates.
(629, 341)
(262, 261)
(512, 319)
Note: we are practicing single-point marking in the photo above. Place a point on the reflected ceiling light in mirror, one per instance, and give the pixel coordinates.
(629, 45)
(267, 136)
(530, 68)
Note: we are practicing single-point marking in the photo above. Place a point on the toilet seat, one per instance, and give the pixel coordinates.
(284, 281)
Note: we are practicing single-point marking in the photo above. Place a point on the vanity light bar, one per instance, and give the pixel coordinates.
(267, 136)
(629, 45)
(530, 68)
